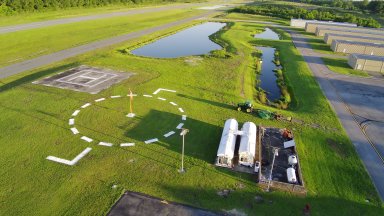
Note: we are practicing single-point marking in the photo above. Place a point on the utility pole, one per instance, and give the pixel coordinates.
(184, 132)
(276, 153)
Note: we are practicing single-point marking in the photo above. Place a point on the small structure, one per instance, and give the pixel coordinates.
(291, 175)
(345, 46)
(311, 26)
(366, 62)
(320, 31)
(329, 37)
(247, 147)
(226, 149)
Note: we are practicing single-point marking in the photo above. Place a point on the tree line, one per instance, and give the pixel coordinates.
(289, 11)
(8, 7)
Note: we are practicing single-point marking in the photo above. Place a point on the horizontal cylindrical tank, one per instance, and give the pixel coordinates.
(291, 175)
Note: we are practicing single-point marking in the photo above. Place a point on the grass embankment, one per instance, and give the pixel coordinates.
(34, 124)
(341, 66)
(22, 45)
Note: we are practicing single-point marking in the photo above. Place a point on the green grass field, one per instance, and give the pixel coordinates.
(341, 66)
(34, 124)
(23, 45)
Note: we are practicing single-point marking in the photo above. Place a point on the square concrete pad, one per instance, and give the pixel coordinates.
(85, 79)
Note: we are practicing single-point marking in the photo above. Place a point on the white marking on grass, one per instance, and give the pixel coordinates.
(74, 130)
(147, 95)
(75, 113)
(87, 139)
(181, 110)
(162, 89)
(86, 105)
(170, 133)
(133, 95)
(184, 117)
(151, 141)
(70, 162)
(179, 126)
(115, 96)
(173, 103)
(71, 121)
(127, 144)
(105, 144)
(100, 99)
(163, 99)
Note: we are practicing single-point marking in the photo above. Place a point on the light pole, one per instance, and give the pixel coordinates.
(184, 131)
(275, 153)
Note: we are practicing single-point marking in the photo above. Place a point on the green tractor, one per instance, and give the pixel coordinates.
(247, 106)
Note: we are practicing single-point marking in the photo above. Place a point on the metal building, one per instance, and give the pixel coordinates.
(366, 62)
(311, 26)
(320, 31)
(329, 37)
(345, 46)
(226, 150)
(300, 23)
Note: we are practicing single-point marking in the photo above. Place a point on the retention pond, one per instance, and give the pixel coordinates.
(191, 41)
(268, 34)
(267, 76)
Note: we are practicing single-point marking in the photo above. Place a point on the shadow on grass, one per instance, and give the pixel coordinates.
(214, 103)
(31, 77)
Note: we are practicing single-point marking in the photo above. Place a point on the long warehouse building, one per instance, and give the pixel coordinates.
(321, 30)
(366, 62)
(311, 26)
(329, 37)
(345, 46)
(300, 23)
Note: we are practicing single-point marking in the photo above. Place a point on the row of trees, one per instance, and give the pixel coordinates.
(288, 12)
(8, 7)
(375, 6)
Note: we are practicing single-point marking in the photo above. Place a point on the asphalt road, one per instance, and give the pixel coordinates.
(359, 104)
(33, 25)
(67, 53)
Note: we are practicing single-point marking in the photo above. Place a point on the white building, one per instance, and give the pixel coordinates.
(247, 149)
(226, 149)
(300, 23)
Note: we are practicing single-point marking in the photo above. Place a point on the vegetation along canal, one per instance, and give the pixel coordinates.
(191, 41)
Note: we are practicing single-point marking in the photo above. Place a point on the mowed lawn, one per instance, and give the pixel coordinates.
(34, 124)
(22, 45)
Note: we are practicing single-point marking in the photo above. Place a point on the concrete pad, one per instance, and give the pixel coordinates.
(74, 130)
(163, 99)
(86, 105)
(179, 126)
(100, 99)
(170, 133)
(105, 144)
(151, 141)
(127, 144)
(184, 117)
(87, 139)
(173, 103)
(181, 110)
(85, 79)
(75, 113)
(71, 121)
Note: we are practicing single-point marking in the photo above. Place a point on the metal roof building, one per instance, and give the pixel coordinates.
(311, 26)
(300, 23)
(366, 62)
(329, 37)
(345, 46)
(320, 31)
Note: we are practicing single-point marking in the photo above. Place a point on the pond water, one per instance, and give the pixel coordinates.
(267, 76)
(191, 41)
(268, 34)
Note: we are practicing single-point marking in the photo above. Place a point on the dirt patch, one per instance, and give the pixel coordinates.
(193, 60)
